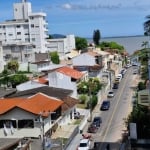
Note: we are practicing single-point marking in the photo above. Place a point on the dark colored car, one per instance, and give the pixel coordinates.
(115, 86)
(105, 105)
(92, 128)
(97, 121)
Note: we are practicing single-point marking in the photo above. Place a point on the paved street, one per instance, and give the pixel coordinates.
(113, 126)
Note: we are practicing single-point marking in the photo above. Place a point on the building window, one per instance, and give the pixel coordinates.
(10, 34)
(18, 33)
(33, 39)
(32, 25)
(18, 26)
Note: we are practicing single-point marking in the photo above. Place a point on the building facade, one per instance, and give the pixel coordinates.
(62, 45)
(25, 34)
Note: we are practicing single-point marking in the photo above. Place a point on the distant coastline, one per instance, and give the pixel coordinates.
(130, 43)
(123, 36)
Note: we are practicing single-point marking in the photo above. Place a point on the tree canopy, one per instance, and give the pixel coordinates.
(81, 43)
(112, 45)
(54, 57)
(13, 65)
(96, 37)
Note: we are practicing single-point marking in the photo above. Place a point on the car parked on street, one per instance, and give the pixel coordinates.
(92, 128)
(110, 94)
(105, 105)
(115, 86)
(97, 121)
(85, 144)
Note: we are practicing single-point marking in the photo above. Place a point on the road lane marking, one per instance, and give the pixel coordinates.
(115, 108)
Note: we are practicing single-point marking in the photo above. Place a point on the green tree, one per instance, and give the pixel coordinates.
(96, 37)
(81, 43)
(54, 57)
(18, 79)
(141, 86)
(13, 66)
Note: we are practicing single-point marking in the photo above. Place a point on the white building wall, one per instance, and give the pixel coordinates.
(60, 80)
(19, 30)
(1, 58)
(61, 45)
(38, 31)
(21, 10)
(83, 60)
(19, 114)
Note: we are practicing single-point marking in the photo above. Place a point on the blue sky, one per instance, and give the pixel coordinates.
(82, 17)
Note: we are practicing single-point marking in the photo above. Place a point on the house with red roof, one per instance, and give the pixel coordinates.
(66, 78)
(91, 61)
(29, 117)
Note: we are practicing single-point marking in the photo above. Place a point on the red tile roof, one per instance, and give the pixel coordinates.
(41, 80)
(70, 72)
(8, 104)
(41, 103)
(35, 104)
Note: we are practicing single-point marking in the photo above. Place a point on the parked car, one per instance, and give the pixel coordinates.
(135, 71)
(92, 128)
(105, 105)
(84, 144)
(110, 94)
(97, 121)
(115, 85)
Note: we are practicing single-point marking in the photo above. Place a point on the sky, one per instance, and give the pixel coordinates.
(82, 17)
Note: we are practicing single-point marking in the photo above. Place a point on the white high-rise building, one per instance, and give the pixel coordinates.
(25, 34)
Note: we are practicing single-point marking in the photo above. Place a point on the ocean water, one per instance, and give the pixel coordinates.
(130, 43)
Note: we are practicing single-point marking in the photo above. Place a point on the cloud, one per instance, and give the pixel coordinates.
(89, 7)
(66, 6)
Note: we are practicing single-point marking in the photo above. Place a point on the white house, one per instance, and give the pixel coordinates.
(89, 61)
(29, 117)
(61, 45)
(25, 33)
(66, 78)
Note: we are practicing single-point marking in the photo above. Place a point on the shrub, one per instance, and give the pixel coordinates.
(83, 99)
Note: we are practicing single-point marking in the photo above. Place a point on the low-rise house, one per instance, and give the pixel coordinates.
(68, 107)
(24, 117)
(66, 78)
(92, 62)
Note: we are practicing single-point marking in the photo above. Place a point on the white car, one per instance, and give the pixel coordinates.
(84, 144)
(110, 94)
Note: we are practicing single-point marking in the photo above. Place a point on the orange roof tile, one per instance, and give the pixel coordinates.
(8, 104)
(41, 103)
(41, 80)
(35, 104)
(70, 72)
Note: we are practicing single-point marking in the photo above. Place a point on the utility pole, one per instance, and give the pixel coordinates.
(42, 125)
